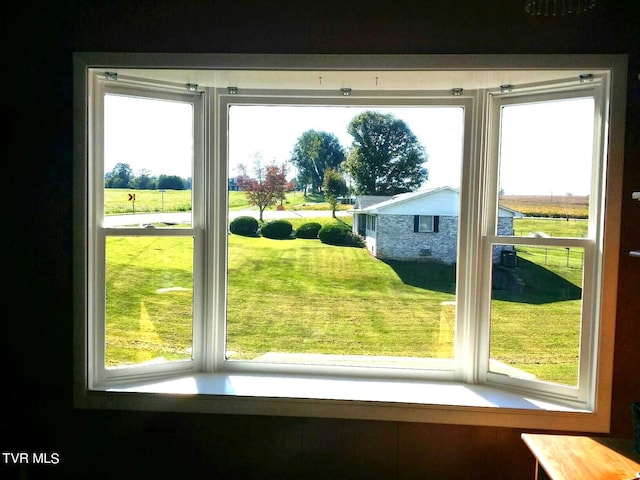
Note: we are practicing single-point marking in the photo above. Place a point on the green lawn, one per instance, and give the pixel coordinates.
(148, 299)
(551, 227)
(302, 296)
(541, 339)
(537, 329)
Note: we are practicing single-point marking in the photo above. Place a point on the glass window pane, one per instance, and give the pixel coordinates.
(148, 158)
(149, 300)
(536, 307)
(545, 163)
(426, 223)
(300, 300)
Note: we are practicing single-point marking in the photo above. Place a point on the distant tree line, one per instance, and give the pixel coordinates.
(122, 176)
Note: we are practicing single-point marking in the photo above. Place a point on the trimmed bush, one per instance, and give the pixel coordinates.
(245, 226)
(277, 229)
(308, 230)
(341, 235)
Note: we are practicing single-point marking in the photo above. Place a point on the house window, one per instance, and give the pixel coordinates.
(169, 300)
(426, 223)
(371, 223)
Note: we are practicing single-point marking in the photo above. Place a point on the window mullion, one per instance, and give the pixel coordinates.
(199, 210)
(482, 194)
(96, 237)
(97, 326)
(216, 191)
(468, 287)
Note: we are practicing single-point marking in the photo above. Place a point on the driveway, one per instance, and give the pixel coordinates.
(278, 214)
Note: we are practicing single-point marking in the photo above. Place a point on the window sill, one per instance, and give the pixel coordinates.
(335, 397)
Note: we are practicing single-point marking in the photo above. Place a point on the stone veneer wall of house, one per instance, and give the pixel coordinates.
(397, 240)
(505, 227)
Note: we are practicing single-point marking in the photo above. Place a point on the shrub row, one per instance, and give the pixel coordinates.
(331, 234)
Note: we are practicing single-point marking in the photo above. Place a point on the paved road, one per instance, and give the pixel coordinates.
(275, 214)
(185, 217)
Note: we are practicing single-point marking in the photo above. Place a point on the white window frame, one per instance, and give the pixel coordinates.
(98, 233)
(591, 244)
(220, 103)
(469, 395)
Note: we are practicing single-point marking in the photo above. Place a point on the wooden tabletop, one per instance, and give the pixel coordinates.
(567, 457)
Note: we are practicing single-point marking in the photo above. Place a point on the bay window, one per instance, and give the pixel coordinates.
(171, 303)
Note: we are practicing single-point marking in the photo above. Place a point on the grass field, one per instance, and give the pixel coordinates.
(302, 296)
(148, 299)
(551, 227)
(117, 202)
(352, 303)
(567, 206)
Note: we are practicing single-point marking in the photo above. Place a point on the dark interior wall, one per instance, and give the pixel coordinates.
(35, 387)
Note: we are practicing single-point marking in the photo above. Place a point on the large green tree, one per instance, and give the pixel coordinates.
(314, 152)
(385, 157)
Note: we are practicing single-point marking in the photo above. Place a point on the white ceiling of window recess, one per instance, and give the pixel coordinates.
(356, 80)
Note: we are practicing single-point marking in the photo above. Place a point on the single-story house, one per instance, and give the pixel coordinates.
(417, 225)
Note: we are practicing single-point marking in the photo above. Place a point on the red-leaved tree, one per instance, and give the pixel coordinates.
(265, 186)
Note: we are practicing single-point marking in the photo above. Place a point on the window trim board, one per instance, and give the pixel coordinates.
(451, 403)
